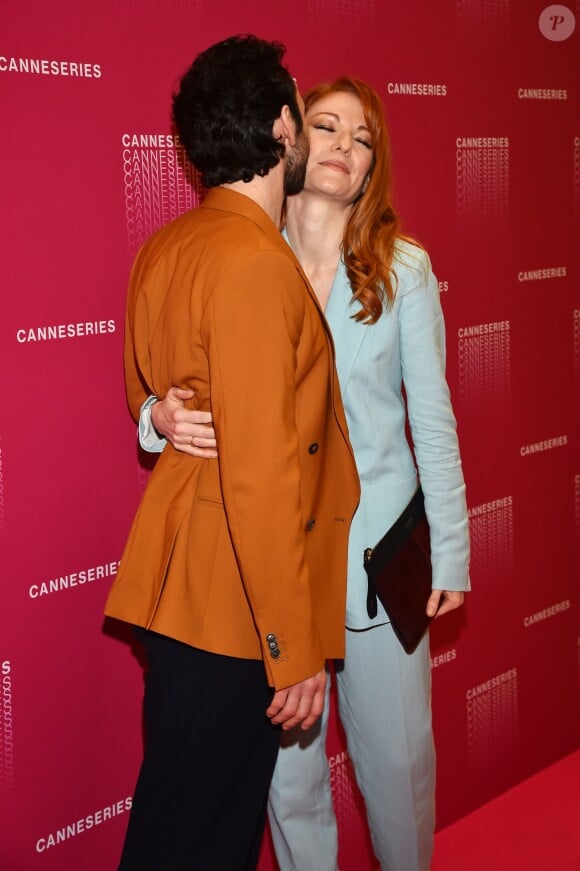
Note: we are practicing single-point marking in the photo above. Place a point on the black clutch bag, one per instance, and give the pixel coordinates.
(399, 573)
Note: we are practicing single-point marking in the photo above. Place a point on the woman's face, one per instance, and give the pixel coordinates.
(340, 147)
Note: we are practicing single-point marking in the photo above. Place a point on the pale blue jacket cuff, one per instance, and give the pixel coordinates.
(149, 438)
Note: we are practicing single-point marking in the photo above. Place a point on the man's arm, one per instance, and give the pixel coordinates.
(187, 430)
(301, 704)
(252, 330)
(137, 364)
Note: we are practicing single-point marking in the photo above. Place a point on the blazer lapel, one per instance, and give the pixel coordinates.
(349, 334)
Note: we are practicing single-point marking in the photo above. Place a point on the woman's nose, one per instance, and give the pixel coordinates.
(343, 144)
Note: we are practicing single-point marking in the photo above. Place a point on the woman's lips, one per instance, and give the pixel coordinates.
(335, 164)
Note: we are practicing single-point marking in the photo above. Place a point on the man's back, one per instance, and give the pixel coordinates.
(223, 555)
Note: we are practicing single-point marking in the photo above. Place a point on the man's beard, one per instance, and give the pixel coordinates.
(296, 160)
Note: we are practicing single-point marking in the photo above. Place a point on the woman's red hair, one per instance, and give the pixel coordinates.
(373, 227)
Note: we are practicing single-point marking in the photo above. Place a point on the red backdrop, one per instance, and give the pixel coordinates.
(482, 99)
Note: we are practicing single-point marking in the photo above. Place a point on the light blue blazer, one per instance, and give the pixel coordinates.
(405, 347)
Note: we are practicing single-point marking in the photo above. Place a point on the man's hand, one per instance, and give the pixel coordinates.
(188, 431)
(301, 703)
(442, 601)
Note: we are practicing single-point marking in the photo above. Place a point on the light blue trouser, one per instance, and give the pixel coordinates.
(385, 708)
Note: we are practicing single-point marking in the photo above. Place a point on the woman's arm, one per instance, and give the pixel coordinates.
(167, 420)
(442, 601)
(433, 429)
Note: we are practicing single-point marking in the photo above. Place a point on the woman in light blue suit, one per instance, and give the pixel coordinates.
(381, 300)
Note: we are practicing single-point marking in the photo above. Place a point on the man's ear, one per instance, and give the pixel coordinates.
(284, 128)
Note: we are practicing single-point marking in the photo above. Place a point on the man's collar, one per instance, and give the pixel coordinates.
(231, 201)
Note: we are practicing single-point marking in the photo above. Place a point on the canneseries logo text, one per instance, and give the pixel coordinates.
(329, 11)
(492, 719)
(51, 332)
(542, 94)
(417, 89)
(71, 580)
(542, 274)
(34, 66)
(546, 613)
(343, 786)
(160, 183)
(6, 731)
(576, 334)
(491, 527)
(84, 824)
(545, 445)
(444, 658)
(482, 180)
(484, 353)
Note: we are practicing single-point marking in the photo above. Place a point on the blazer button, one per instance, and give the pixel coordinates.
(310, 525)
(312, 449)
(270, 637)
(275, 653)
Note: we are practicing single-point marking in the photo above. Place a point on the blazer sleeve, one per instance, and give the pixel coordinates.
(433, 425)
(251, 326)
(137, 363)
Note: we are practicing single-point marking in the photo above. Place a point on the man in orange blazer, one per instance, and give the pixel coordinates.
(235, 570)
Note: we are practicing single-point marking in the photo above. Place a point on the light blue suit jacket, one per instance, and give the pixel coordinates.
(405, 347)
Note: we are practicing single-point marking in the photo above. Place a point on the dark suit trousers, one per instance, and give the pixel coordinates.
(210, 751)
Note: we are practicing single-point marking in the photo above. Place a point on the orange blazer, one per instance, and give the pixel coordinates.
(244, 555)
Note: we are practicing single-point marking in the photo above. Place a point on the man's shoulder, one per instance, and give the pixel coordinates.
(228, 234)
(167, 236)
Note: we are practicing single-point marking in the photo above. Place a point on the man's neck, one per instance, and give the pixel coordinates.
(267, 191)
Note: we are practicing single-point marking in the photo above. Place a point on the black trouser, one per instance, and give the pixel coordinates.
(210, 751)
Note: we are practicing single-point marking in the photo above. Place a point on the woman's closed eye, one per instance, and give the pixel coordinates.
(328, 128)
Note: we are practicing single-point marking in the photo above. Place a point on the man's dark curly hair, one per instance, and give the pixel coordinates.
(226, 105)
